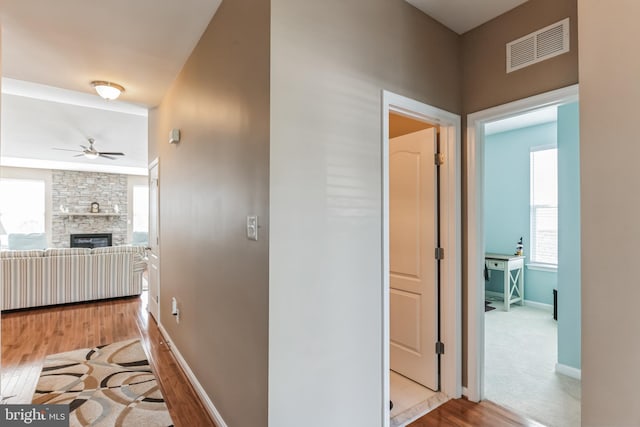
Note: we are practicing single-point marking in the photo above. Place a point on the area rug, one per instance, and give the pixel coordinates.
(488, 307)
(106, 386)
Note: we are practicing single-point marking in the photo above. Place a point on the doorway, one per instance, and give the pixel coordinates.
(541, 271)
(421, 340)
(414, 279)
(154, 241)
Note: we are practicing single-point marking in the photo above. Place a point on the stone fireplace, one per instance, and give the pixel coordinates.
(74, 191)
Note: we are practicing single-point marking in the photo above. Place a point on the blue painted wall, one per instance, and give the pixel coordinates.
(506, 210)
(569, 279)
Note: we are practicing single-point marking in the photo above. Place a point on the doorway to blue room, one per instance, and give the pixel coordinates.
(525, 244)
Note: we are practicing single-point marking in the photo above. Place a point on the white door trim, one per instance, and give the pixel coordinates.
(475, 227)
(450, 196)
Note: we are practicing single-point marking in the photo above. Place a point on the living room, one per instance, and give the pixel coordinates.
(56, 194)
(50, 179)
(74, 207)
(74, 245)
(74, 219)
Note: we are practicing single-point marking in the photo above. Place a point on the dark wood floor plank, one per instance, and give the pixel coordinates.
(463, 413)
(28, 336)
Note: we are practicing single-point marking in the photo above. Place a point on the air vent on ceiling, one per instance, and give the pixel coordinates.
(540, 45)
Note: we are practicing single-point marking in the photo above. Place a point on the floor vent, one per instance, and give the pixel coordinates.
(536, 47)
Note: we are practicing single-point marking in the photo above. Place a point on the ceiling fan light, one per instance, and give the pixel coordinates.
(91, 156)
(107, 90)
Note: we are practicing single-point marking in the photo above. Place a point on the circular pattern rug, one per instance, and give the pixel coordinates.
(106, 386)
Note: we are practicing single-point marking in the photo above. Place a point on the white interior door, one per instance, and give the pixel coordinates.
(154, 253)
(412, 243)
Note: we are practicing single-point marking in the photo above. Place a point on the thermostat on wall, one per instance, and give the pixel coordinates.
(174, 136)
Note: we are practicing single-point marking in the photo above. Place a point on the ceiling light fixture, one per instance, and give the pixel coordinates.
(91, 155)
(107, 90)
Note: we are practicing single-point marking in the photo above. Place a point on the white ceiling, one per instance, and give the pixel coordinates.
(464, 15)
(52, 50)
(532, 118)
(36, 118)
(140, 44)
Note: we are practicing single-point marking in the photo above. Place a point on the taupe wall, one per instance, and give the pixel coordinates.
(330, 60)
(209, 183)
(485, 82)
(609, 99)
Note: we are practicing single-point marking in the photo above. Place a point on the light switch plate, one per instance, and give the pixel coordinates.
(174, 136)
(252, 227)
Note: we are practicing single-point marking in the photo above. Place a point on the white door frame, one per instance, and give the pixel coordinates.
(450, 270)
(475, 224)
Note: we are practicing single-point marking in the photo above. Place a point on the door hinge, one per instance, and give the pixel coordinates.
(439, 253)
(439, 159)
(439, 347)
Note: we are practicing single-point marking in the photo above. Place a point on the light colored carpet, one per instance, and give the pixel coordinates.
(520, 357)
(107, 386)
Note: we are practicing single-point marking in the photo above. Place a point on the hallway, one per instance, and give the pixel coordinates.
(28, 336)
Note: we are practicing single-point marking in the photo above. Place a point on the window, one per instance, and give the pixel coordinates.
(140, 208)
(544, 206)
(22, 206)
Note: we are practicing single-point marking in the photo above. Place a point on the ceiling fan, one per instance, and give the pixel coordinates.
(91, 153)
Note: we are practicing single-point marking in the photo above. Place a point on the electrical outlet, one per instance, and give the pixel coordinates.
(175, 311)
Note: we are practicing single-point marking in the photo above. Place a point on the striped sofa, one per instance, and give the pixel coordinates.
(34, 278)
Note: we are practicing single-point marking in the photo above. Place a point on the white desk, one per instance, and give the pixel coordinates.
(513, 268)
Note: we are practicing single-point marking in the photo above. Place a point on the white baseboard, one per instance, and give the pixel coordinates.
(465, 392)
(208, 404)
(539, 305)
(498, 298)
(569, 371)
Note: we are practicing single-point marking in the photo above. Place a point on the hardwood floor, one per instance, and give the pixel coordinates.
(463, 413)
(29, 336)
